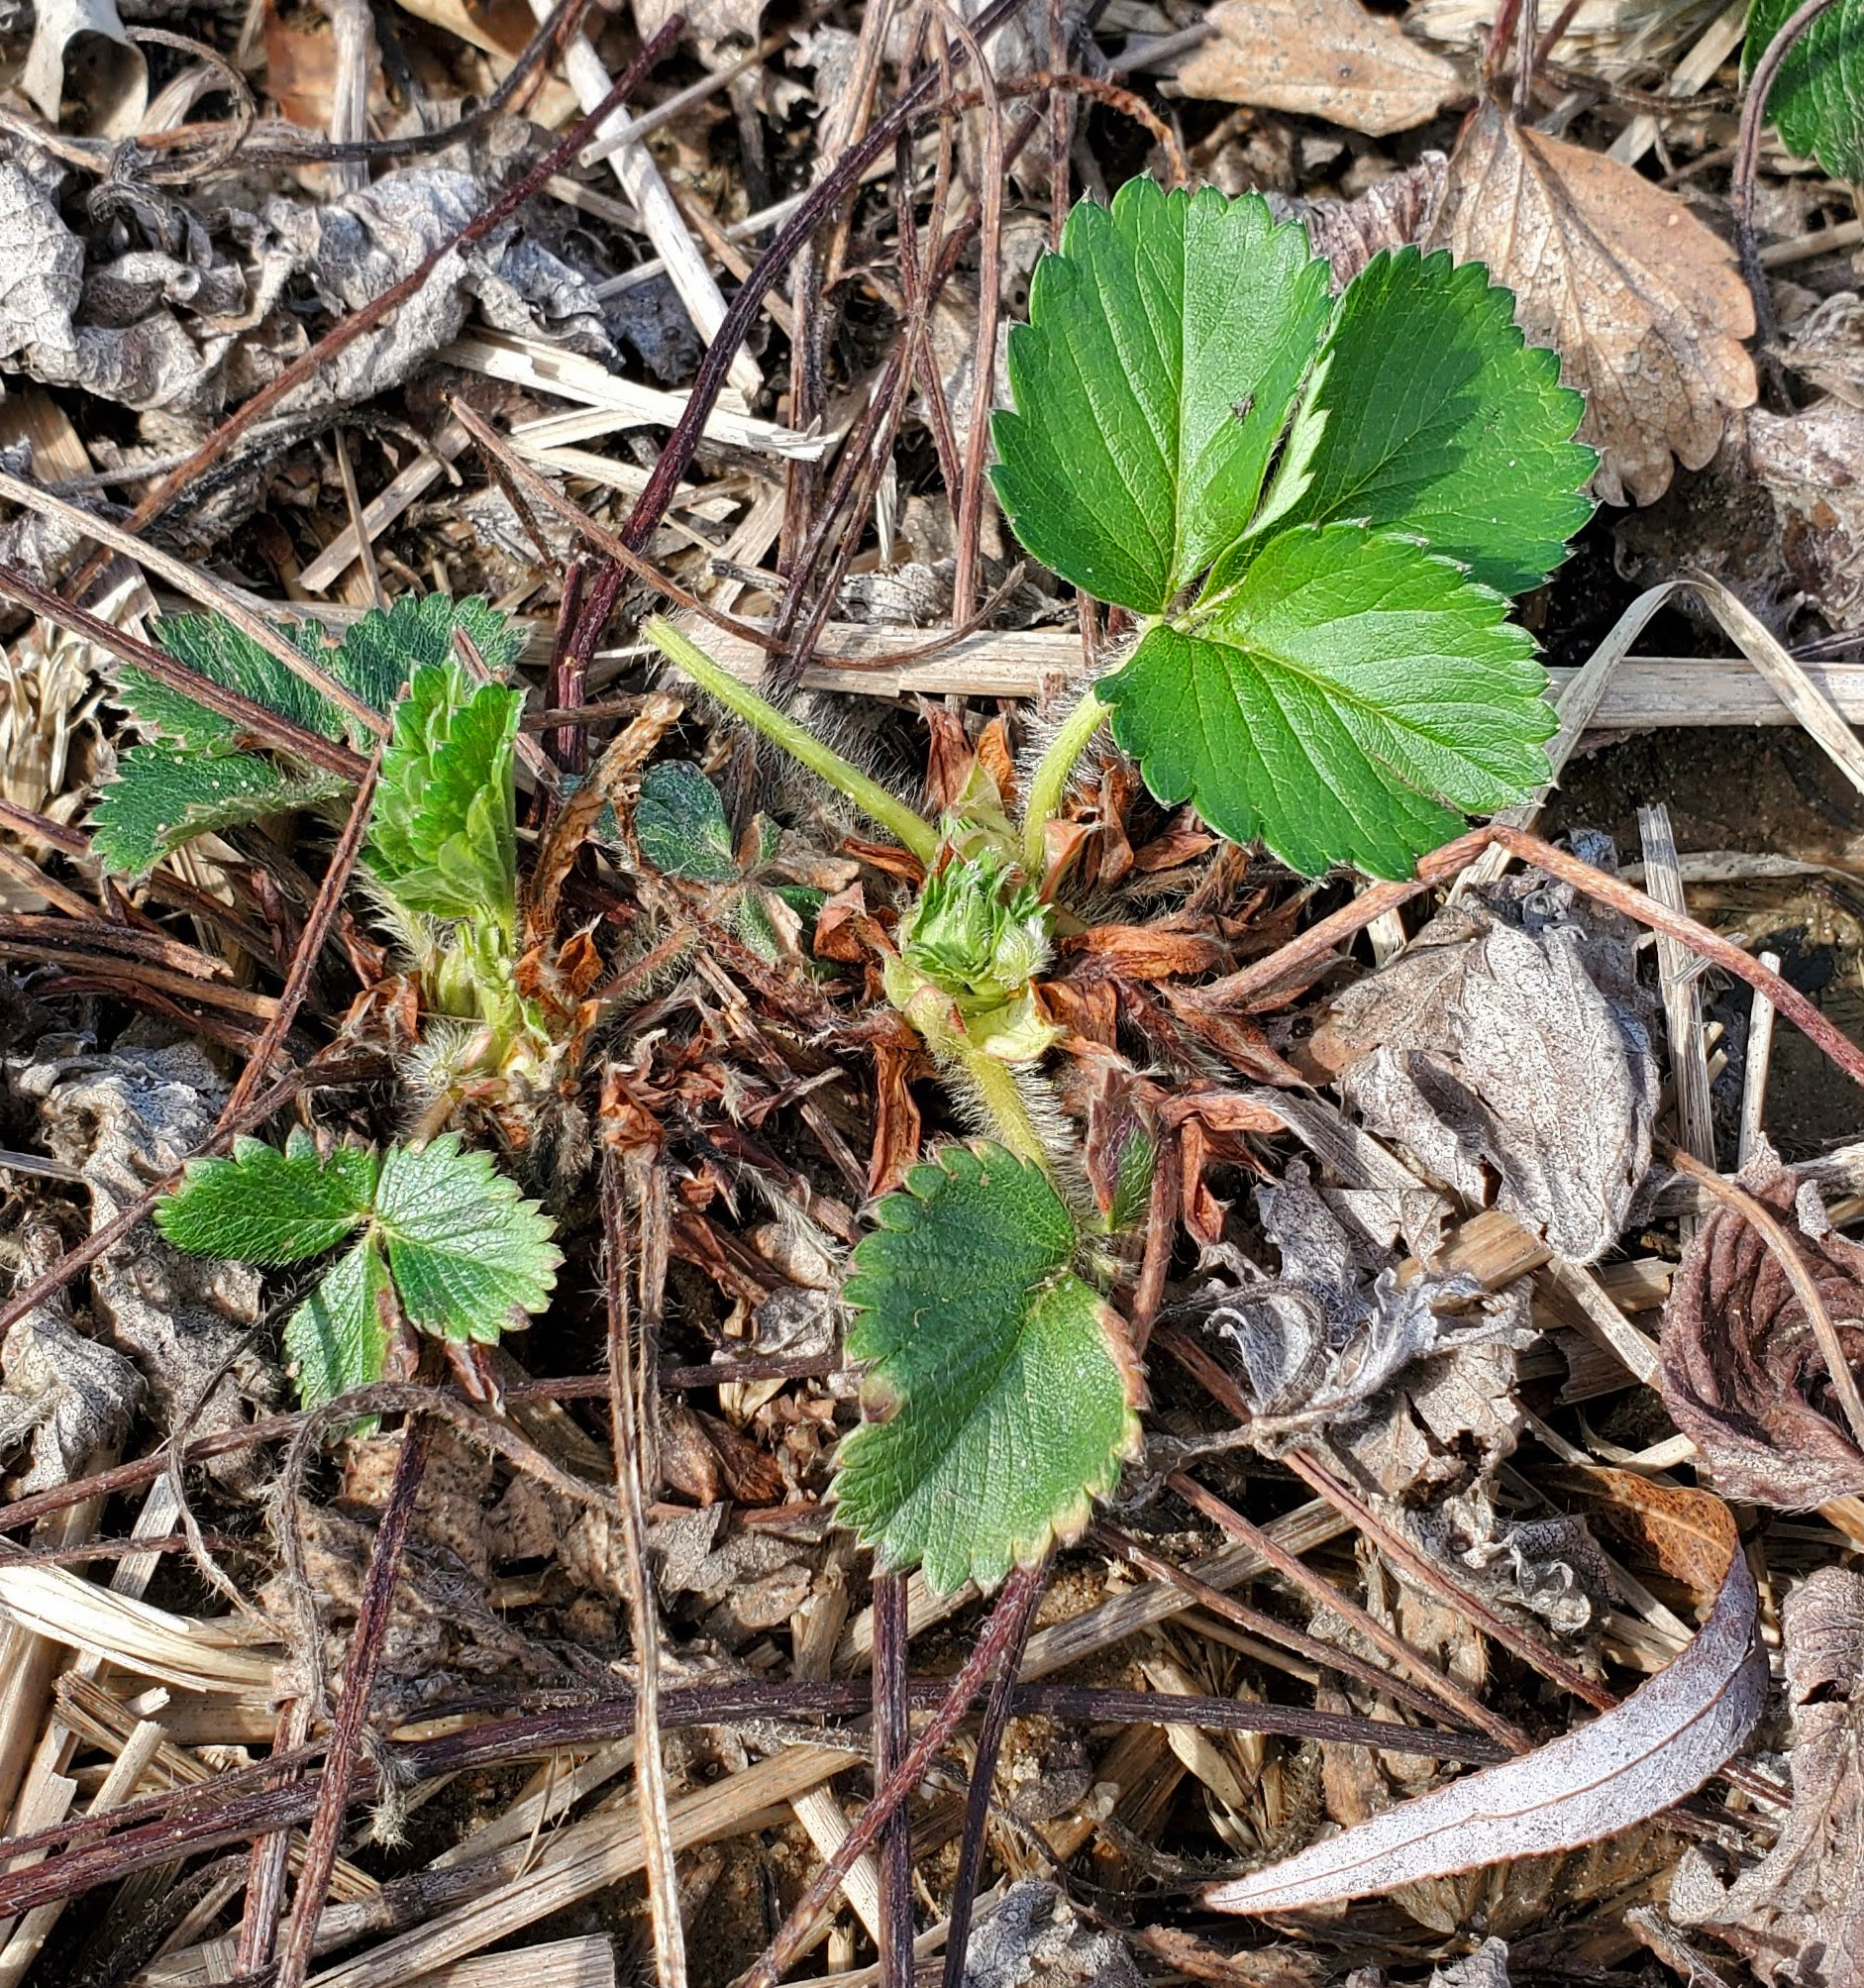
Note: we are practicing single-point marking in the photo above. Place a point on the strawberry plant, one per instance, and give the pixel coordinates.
(441, 858)
(1316, 511)
(440, 1241)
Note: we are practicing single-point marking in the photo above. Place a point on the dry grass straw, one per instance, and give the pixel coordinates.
(187, 1651)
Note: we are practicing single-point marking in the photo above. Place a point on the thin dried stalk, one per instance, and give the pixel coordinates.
(892, 1736)
(983, 1776)
(650, 1775)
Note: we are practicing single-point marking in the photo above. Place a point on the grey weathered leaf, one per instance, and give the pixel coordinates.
(1798, 1916)
(1334, 1334)
(1622, 1767)
(1509, 1037)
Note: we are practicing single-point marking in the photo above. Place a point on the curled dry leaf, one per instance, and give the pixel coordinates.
(1624, 1767)
(1798, 1915)
(1327, 58)
(1644, 304)
(80, 51)
(1742, 1375)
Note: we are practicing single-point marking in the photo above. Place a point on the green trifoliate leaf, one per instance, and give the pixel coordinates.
(679, 823)
(381, 653)
(1003, 1399)
(336, 1339)
(1428, 413)
(263, 1205)
(443, 836)
(1164, 346)
(1346, 697)
(469, 1257)
(439, 1231)
(1817, 102)
(164, 795)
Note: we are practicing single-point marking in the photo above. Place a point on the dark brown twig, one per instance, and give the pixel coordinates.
(1325, 1656)
(264, 723)
(156, 1829)
(824, 197)
(374, 1610)
(1309, 954)
(1004, 1627)
(996, 1710)
(310, 942)
(1459, 1703)
(892, 1736)
(270, 1864)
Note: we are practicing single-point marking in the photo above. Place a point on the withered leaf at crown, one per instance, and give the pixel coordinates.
(1798, 1916)
(1742, 1375)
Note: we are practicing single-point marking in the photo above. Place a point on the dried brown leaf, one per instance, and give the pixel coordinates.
(1618, 1770)
(1741, 1371)
(1798, 1915)
(1327, 58)
(1508, 1039)
(1400, 208)
(1642, 301)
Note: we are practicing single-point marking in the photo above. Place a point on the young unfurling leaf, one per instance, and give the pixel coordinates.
(443, 838)
(435, 1231)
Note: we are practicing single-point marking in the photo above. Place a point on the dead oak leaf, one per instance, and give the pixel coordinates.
(1643, 303)
(1327, 58)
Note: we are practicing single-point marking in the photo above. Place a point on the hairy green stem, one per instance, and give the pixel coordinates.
(1051, 778)
(990, 1082)
(892, 814)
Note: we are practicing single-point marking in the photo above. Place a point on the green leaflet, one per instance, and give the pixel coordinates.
(439, 1228)
(1124, 465)
(263, 1205)
(381, 652)
(1817, 102)
(1427, 412)
(443, 836)
(337, 1339)
(1348, 688)
(679, 823)
(164, 795)
(469, 1256)
(229, 657)
(1002, 1399)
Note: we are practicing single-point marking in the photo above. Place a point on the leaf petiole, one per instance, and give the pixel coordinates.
(1051, 778)
(892, 814)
